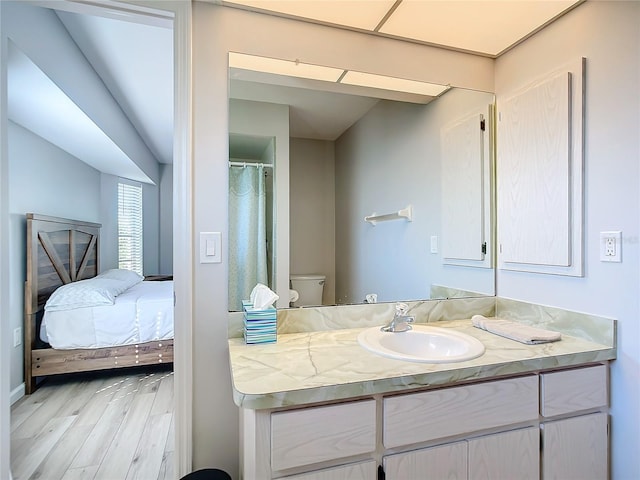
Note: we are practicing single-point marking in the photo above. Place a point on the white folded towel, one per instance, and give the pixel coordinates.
(515, 331)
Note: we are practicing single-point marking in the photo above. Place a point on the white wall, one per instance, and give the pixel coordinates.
(5, 322)
(46, 180)
(608, 35)
(109, 217)
(312, 207)
(166, 220)
(381, 167)
(150, 229)
(389, 159)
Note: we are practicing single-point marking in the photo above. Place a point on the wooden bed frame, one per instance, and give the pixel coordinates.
(61, 251)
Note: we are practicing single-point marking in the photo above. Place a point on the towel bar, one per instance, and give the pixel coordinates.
(403, 213)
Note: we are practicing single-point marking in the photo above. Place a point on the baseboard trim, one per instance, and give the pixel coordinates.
(17, 393)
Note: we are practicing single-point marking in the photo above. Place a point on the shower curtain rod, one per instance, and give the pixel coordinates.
(250, 164)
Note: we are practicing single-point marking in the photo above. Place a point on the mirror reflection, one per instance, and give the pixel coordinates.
(309, 160)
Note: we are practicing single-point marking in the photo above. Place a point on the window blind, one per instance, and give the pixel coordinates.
(130, 227)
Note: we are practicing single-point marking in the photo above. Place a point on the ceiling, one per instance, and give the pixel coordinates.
(484, 27)
(313, 114)
(38, 104)
(135, 61)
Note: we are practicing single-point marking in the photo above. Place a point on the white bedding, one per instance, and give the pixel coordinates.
(141, 314)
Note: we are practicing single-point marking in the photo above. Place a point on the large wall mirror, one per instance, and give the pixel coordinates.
(343, 193)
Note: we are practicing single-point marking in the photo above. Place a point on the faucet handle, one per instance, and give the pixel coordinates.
(402, 309)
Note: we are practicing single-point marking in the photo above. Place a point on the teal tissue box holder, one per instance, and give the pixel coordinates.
(259, 325)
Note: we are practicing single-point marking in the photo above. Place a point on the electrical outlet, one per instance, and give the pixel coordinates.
(17, 337)
(611, 246)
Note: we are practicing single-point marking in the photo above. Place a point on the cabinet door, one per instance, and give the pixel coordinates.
(442, 462)
(355, 471)
(576, 448)
(514, 454)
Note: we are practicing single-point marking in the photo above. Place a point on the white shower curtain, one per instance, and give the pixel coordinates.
(247, 233)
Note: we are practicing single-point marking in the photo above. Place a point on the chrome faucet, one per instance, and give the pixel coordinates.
(400, 321)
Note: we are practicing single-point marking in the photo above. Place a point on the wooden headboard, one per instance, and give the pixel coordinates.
(59, 251)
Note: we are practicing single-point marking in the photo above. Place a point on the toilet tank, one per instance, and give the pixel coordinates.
(309, 287)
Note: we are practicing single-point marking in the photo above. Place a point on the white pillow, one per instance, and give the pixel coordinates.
(93, 292)
(128, 277)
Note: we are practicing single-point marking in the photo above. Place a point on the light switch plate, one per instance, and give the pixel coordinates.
(434, 244)
(210, 247)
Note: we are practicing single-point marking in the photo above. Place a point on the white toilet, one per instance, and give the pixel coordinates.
(309, 288)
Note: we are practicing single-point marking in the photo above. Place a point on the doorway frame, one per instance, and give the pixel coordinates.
(179, 11)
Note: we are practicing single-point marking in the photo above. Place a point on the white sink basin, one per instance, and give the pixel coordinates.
(422, 344)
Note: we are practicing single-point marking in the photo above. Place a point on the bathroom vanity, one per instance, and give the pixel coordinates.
(316, 405)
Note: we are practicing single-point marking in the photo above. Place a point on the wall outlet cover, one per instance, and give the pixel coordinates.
(611, 246)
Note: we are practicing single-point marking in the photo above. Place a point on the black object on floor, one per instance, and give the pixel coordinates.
(207, 474)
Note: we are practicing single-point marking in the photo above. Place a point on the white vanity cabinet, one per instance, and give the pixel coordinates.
(460, 411)
(485, 430)
(575, 439)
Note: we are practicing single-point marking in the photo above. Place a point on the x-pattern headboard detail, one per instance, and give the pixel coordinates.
(59, 251)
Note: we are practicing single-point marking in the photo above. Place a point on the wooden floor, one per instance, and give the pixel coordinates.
(103, 426)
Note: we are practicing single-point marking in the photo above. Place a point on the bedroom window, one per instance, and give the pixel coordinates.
(130, 227)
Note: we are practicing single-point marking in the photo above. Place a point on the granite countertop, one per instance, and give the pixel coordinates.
(310, 367)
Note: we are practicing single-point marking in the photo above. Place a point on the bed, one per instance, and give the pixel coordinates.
(61, 252)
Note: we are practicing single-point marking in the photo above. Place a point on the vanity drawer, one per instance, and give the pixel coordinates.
(354, 471)
(312, 435)
(573, 390)
(421, 417)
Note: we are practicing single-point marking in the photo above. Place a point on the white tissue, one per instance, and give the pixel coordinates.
(262, 297)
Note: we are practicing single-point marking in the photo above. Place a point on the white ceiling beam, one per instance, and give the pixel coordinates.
(56, 54)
